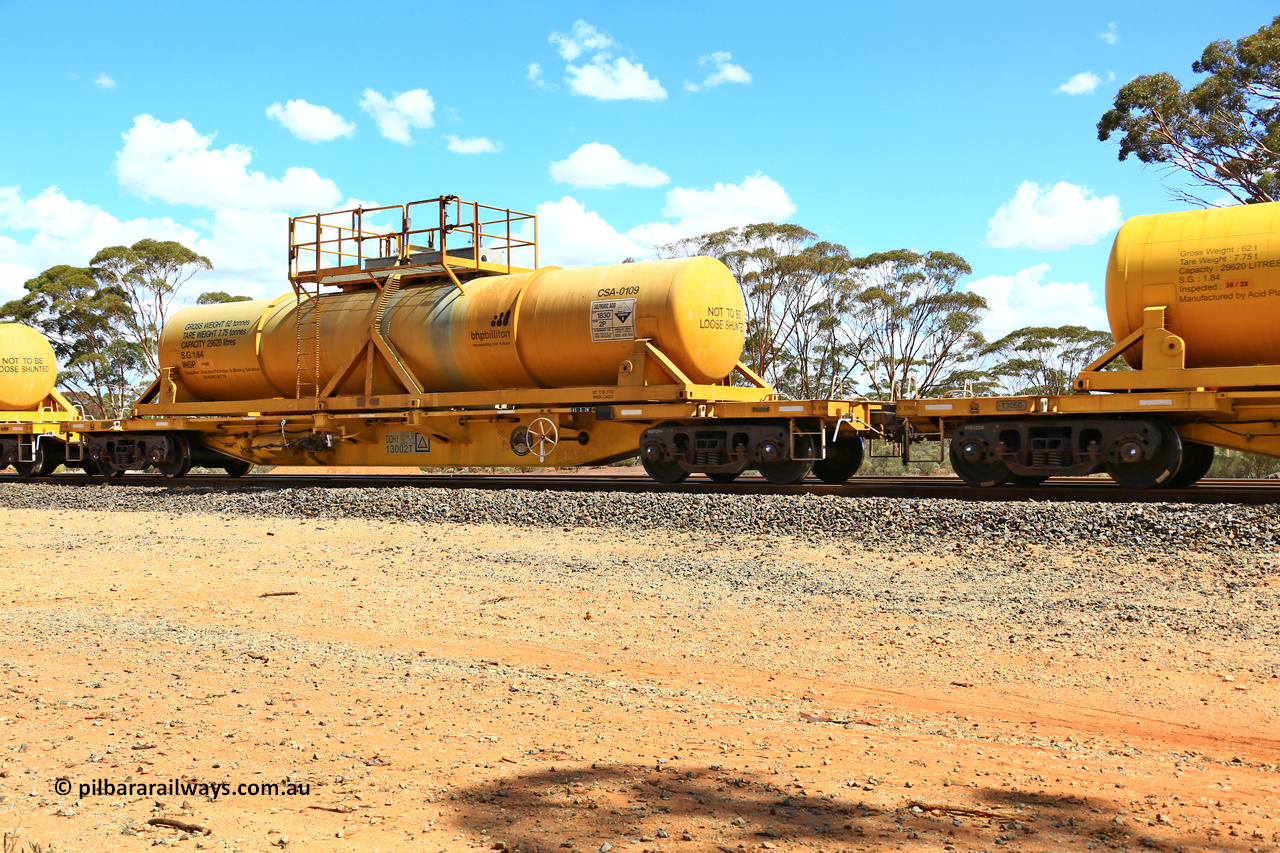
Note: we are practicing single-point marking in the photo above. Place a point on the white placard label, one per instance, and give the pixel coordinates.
(613, 320)
(408, 442)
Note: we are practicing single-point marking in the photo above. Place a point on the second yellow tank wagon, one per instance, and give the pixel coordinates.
(1193, 300)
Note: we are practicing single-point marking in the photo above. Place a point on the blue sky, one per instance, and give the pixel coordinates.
(961, 127)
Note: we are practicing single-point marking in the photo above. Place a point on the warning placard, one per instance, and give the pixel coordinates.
(613, 320)
(408, 442)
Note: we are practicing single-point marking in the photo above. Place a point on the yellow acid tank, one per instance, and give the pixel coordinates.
(1218, 273)
(544, 329)
(28, 368)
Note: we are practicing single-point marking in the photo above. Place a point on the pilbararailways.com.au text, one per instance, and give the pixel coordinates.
(180, 788)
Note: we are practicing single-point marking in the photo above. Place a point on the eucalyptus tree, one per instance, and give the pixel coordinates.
(219, 297)
(910, 328)
(149, 273)
(1223, 133)
(787, 282)
(87, 323)
(1044, 360)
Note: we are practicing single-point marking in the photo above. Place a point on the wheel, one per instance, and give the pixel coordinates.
(1197, 459)
(1148, 473)
(89, 466)
(50, 463)
(664, 472)
(107, 469)
(978, 474)
(784, 472)
(237, 468)
(1026, 479)
(844, 458)
(181, 464)
(34, 468)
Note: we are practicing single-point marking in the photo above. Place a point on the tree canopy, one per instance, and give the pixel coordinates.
(820, 320)
(86, 322)
(1044, 360)
(218, 297)
(913, 325)
(150, 273)
(1223, 133)
(104, 320)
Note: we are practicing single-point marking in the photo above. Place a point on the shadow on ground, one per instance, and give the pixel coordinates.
(566, 806)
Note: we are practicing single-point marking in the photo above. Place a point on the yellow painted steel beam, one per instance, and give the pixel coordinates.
(1251, 376)
(469, 399)
(1259, 438)
(963, 408)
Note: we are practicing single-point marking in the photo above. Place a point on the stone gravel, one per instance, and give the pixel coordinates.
(925, 525)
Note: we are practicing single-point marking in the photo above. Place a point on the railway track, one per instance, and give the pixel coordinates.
(1090, 489)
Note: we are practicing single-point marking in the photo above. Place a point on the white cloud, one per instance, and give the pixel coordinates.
(604, 77)
(534, 76)
(1026, 299)
(1084, 83)
(582, 38)
(309, 122)
(397, 116)
(246, 247)
(618, 79)
(725, 72)
(479, 145)
(247, 250)
(1065, 215)
(569, 235)
(175, 164)
(601, 166)
(66, 232)
(758, 198)
(103, 81)
(13, 276)
(1110, 36)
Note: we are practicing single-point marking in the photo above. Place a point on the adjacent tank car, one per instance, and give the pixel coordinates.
(1193, 300)
(32, 412)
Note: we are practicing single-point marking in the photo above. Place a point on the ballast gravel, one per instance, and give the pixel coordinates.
(928, 525)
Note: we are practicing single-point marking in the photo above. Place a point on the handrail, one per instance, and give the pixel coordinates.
(349, 239)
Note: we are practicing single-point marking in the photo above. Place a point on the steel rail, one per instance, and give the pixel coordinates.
(1077, 489)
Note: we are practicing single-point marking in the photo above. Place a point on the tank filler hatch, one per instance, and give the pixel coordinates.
(384, 248)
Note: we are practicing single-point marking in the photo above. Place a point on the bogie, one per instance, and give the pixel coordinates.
(782, 452)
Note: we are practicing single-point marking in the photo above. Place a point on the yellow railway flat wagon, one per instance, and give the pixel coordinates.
(1193, 299)
(422, 343)
(32, 412)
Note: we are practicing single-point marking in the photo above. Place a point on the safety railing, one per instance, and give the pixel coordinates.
(455, 233)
